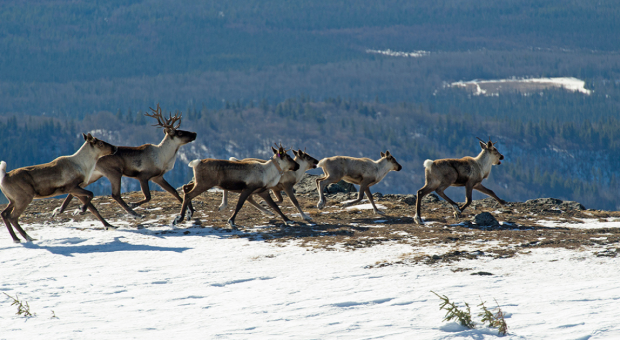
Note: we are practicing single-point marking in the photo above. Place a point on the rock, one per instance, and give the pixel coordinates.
(485, 219)
(482, 273)
(409, 199)
(572, 205)
(308, 185)
(541, 201)
(341, 186)
(430, 198)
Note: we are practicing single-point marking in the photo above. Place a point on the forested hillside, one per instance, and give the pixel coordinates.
(563, 159)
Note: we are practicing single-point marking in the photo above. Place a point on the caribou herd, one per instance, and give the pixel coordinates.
(248, 177)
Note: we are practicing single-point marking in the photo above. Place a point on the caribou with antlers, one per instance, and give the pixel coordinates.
(64, 175)
(145, 163)
(467, 171)
(245, 177)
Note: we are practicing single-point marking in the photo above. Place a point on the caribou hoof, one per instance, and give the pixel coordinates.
(267, 212)
(77, 212)
(379, 212)
(231, 224)
(321, 204)
(222, 207)
(177, 220)
(109, 227)
(418, 220)
(56, 212)
(16, 241)
(289, 222)
(457, 214)
(189, 214)
(306, 217)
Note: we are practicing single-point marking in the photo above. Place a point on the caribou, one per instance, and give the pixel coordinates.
(145, 163)
(286, 183)
(245, 177)
(64, 175)
(467, 171)
(361, 171)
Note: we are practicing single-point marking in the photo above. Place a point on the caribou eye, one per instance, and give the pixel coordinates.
(180, 133)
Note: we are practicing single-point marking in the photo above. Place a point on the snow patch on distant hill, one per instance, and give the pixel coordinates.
(528, 85)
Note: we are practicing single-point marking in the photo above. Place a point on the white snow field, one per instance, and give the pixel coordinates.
(193, 282)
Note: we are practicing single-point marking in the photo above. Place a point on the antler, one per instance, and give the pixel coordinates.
(280, 147)
(482, 140)
(157, 115)
(167, 123)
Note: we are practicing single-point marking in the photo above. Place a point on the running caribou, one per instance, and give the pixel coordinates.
(145, 163)
(286, 183)
(467, 171)
(245, 177)
(64, 175)
(361, 171)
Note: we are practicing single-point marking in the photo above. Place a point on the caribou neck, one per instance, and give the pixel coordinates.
(274, 176)
(168, 146)
(485, 162)
(383, 167)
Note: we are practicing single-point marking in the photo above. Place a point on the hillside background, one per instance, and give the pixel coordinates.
(311, 75)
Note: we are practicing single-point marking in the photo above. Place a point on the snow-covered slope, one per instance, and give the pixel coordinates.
(194, 282)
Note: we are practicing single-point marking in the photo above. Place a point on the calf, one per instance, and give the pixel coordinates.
(64, 175)
(245, 177)
(287, 181)
(361, 171)
(467, 171)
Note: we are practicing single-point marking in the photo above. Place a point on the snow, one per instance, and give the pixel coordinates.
(366, 206)
(567, 83)
(587, 223)
(198, 282)
(391, 53)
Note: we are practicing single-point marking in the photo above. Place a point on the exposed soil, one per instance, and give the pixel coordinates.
(442, 239)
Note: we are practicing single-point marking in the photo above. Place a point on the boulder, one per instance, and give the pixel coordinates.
(572, 205)
(542, 201)
(485, 219)
(308, 185)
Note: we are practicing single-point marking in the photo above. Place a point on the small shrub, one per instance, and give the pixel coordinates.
(22, 306)
(496, 320)
(453, 312)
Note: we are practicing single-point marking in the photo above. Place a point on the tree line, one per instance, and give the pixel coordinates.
(544, 158)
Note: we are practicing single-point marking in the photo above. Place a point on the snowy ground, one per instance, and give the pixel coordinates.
(194, 282)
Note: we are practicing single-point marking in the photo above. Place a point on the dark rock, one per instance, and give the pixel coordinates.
(341, 186)
(430, 198)
(409, 199)
(572, 205)
(482, 273)
(541, 201)
(485, 219)
(308, 185)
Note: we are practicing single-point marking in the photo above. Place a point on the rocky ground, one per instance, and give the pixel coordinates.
(484, 230)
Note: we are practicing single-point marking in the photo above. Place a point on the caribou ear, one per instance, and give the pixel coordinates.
(382, 154)
(295, 153)
(482, 145)
(299, 152)
(489, 144)
(85, 137)
(387, 153)
(274, 150)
